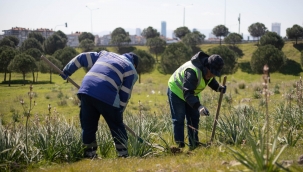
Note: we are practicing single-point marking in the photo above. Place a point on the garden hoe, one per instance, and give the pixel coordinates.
(217, 114)
(77, 86)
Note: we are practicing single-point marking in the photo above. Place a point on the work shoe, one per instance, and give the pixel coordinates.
(90, 153)
(197, 145)
(123, 156)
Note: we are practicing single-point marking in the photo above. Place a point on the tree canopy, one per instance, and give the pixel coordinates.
(269, 55)
(31, 43)
(7, 54)
(86, 35)
(180, 32)
(55, 42)
(87, 45)
(37, 36)
(65, 55)
(272, 38)
(22, 63)
(119, 37)
(229, 57)
(220, 31)
(174, 56)
(156, 46)
(6, 41)
(233, 39)
(150, 32)
(257, 30)
(294, 32)
(193, 39)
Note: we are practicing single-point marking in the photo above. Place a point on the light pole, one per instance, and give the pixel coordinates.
(91, 17)
(184, 11)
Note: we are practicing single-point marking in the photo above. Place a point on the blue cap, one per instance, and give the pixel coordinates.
(135, 58)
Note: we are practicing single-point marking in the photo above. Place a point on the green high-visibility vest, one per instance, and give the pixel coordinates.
(175, 82)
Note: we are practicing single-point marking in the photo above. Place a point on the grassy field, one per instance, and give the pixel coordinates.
(149, 98)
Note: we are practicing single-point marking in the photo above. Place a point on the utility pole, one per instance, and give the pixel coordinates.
(91, 16)
(184, 11)
(239, 19)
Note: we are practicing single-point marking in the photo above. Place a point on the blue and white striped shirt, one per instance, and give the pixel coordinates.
(110, 79)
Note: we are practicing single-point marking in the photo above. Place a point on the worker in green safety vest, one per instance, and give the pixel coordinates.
(184, 87)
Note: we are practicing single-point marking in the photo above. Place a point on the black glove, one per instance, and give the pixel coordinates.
(203, 111)
(221, 88)
(66, 74)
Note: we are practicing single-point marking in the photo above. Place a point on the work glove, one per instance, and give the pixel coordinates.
(66, 75)
(203, 111)
(221, 88)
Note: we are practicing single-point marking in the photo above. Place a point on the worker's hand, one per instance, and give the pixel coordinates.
(203, 111)
(221, 88)
(65, 75)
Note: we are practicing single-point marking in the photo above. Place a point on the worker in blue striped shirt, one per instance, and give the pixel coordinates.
(105, 90)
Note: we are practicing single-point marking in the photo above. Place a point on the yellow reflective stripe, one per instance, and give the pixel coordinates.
(104, 77)
(89, 60)
(112, 67)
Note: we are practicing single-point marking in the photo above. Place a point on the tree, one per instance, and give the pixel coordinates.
(272, 38)
(31, 43)
(220, 31)
(14, 39)
(180, 32)
(302, 58)
(294, 32)
(174, 56)
(193, 40)
(36, 54)
(62, 35)
(54, 43)
(86, 35)
(51, 70)
(269, 55)
(65, 55)
(257, 30)
(7, 54)
(156, 46)
(233, 39)
(86, 45)
(229, 57)
(150, 32)
(119, 37)
(22, 63)
(7, 42)
(146, 62)
(38, 36)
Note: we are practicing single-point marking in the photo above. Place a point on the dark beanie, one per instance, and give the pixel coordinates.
(215, 64)
(135, 58)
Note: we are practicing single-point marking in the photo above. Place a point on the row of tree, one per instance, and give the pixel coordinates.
(26, 58)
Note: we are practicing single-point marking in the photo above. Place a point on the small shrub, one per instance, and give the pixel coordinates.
(242, 86)
(62, 102)
(257, 94)
(60, 95)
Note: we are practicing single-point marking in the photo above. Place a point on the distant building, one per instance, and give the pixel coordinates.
(194, 29)
(22, 33)
(163, 29)
(138, 32)
(276, 27)
(73, 40)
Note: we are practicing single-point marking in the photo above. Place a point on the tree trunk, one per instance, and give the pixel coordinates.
(50, 76)
(37, 76)
(139, 77)
(33, 77)
(9, 79)
(23, 78)
(4, 76)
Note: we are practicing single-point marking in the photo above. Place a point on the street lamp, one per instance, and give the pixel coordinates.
(91, 21)
(184, 11)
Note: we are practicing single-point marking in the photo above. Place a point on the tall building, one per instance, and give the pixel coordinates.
(276, 27)
(138, 32)
(163, 29)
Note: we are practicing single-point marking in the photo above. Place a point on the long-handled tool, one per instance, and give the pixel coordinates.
(218, 111)
(77, 86)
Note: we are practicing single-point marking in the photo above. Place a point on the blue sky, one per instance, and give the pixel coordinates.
(203, 15)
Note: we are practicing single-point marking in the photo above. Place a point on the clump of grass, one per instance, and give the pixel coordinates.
(241, 86)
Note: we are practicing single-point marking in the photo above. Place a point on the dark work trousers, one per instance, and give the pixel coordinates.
(90, 112)
(179, 111)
